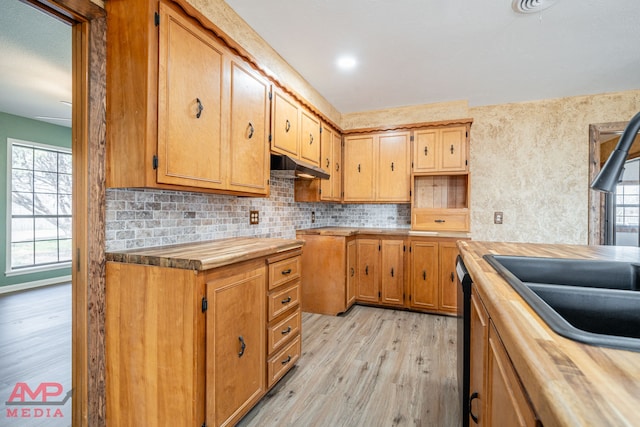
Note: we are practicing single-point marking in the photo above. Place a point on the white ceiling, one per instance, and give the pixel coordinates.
(426, 51)
(409, 51)
(35, 63)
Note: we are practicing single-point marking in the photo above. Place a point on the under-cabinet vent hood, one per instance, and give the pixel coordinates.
(288, 167)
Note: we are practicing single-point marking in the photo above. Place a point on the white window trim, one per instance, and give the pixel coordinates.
(25, 270)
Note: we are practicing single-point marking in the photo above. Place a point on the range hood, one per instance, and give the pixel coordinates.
(288, 167)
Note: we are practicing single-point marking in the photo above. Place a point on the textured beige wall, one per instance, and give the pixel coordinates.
(530, 161)
(225, 18)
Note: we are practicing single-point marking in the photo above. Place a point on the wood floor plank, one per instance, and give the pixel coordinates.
(370, 367)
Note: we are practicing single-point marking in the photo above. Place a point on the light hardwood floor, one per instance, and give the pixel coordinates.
(35, 347)
(370, 367)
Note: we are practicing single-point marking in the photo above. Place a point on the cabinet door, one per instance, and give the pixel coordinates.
(236, 344)
(478, 358)
(453, 149)
(352, 267)
(309, 138)
(336, 172)
(508, 404)
(392, 272)
(359, 157)
(326, 163)
(393, 167)
(424, 275)
(191, 72)
(448, 297)
(424, 150)
(284, 125)
(249, 144)
(368, 278)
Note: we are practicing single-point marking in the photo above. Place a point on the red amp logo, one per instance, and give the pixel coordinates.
(27, 403)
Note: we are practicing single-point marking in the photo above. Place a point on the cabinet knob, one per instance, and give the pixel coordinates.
(426, 150)
(452, 277)
(451, 148)
(391, 166)
(391, 271)
(352, 272)
(287, 126)
(242, 346)
(424, 274)
(337, 167)
(200, 108)
(366, 270)
(310, 139)
(250, 130)
(328, 163)
(358, 167)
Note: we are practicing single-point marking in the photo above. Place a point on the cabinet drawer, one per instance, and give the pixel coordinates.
(284, 360)
(282, 300)
(282, 271)
(435, 220)
(279, 334)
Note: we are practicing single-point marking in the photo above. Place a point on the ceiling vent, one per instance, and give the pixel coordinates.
(531, 6)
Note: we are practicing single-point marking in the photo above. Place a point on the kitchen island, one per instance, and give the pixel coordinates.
(568, 383)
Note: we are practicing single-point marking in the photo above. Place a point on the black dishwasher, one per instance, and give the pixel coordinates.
(464, 334)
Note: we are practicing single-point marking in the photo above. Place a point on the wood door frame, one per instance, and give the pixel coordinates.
(88, 22)
(596, 198)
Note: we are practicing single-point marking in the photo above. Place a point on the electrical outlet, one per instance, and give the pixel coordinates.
(254, 217)
(313, 217)
(498, 217)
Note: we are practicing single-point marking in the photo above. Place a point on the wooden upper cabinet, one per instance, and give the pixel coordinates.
(190, 148)
(249, 130)
(284, 124)
(438, 150)
(394, 173)
(330, 162)
(377, 167)
(309, 138)
(173, 93)
(359, 162)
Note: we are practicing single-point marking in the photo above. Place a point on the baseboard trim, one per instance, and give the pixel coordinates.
(35, 284)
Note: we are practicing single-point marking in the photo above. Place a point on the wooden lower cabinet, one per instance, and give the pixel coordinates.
(188, 347)
(432, 284)
(497, 397)
(380, 271)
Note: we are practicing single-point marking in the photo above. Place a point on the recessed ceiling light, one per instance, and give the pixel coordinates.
(346, 62)
(531, 6)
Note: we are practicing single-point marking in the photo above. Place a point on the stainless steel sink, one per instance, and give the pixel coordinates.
(595, 302)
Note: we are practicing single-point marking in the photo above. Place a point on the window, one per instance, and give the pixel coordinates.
(626, 206)
(39, 205)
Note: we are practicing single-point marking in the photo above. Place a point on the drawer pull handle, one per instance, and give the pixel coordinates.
(251, 130)
(310, 139)
(366, 270)
(286, 331)
(337, 167)
(439, 220)
(452, 277)
(358, 167)
(471, 399)
(242, 346)
(391, 271)
(451, 148)
(285, 272)
(287, 360)
(391, 166)
(200, 108)
(286, 300)
(426, 150)
(353, 272)
(328, 163)
(287, 126)
(424, 274)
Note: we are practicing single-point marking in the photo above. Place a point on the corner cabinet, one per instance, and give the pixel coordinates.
(183, 112)
(199, 346)
(377, 167)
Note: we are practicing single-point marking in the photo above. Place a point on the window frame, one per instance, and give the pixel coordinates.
(9, 269)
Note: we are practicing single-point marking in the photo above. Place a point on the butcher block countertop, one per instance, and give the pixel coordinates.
(206, 255)
(353, 231)
(569, 383)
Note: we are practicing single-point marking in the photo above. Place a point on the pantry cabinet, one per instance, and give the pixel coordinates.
(377, 167)
(497, 396)
(173, 92)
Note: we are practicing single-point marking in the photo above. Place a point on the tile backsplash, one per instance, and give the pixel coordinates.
(142, 218)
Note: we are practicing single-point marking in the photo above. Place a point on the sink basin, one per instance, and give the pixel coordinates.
(591, 301)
